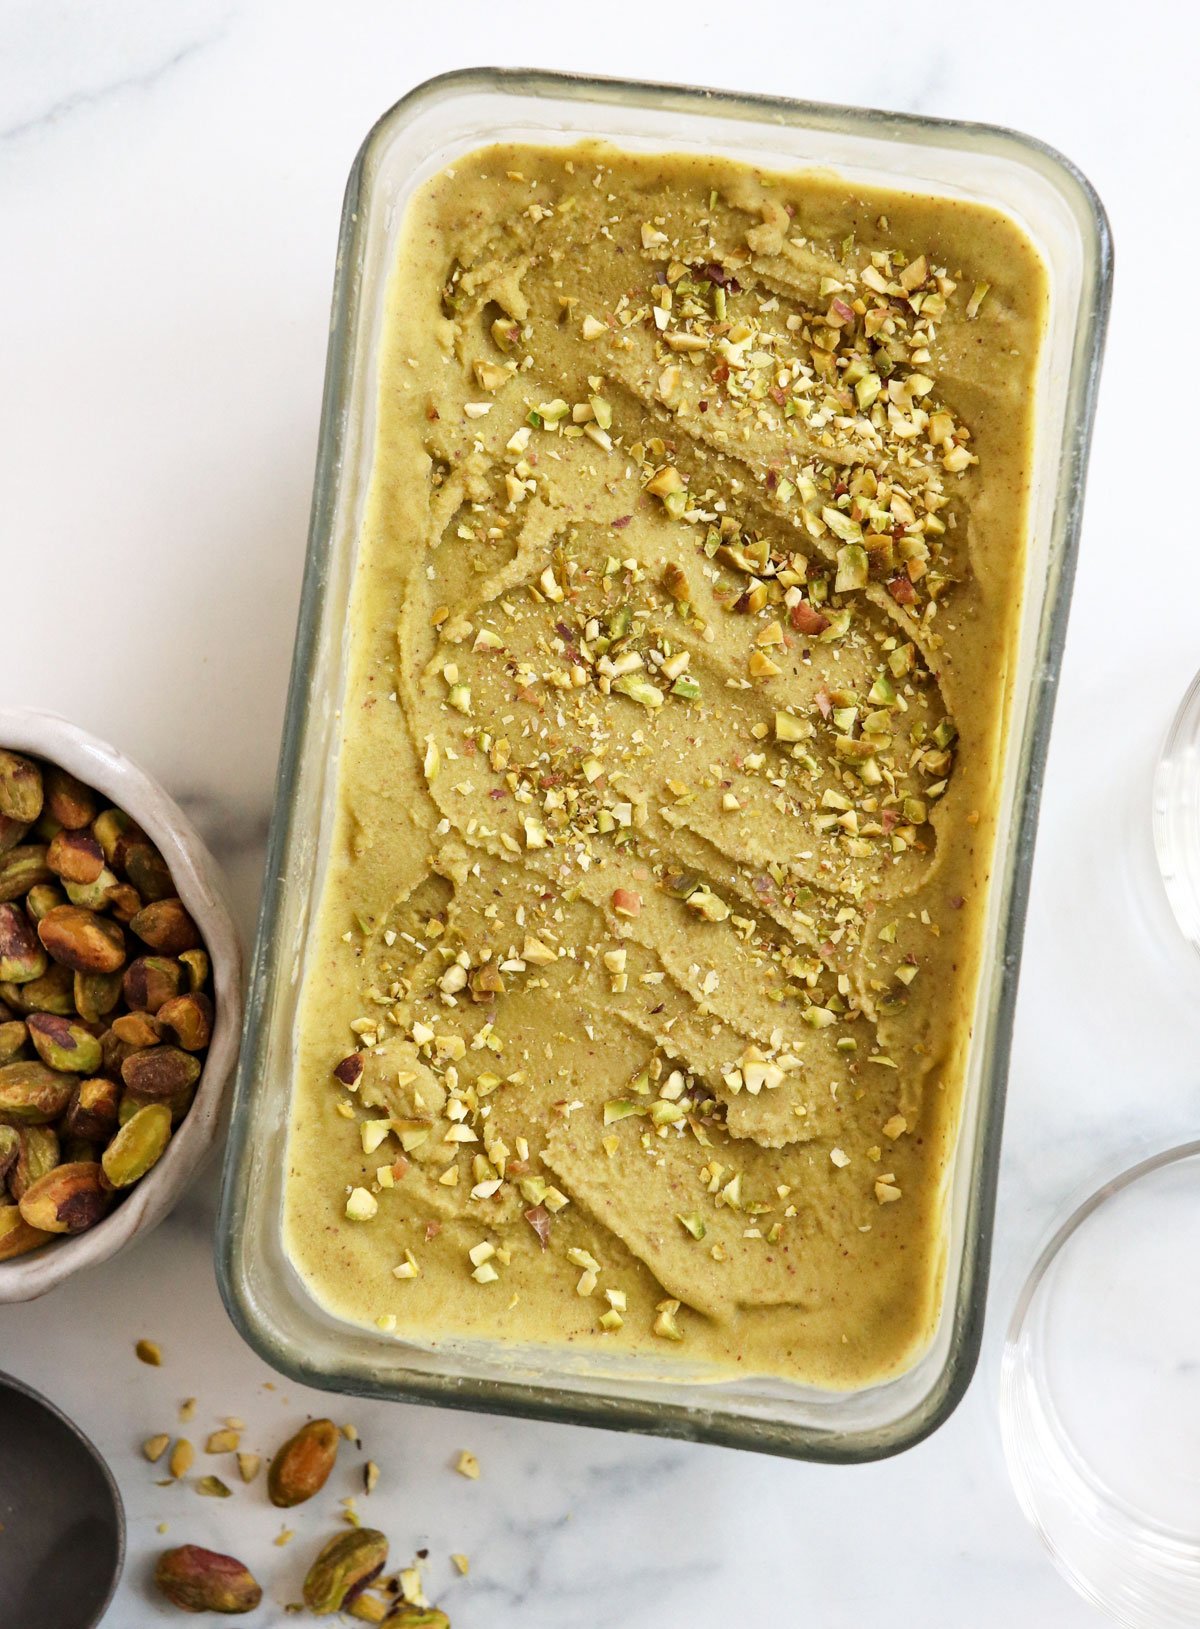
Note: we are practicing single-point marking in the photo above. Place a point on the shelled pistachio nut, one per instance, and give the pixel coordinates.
(82, 941)
(138, 1030)
(93, 1113)
(302, 1466)
(53, 992)
(33, 1095)
(10, 1148)
(21, 790)
(16, 1235)
(124, 902)
(137, 1145)
(150, 980)
(98, 895)
(38, 1151)
(178, 1103)
(345, 1566)
(191, 1018)
(11, 832)
(199, 1580)
(197, 966)
(45, 828)
(418, 1617)
(95, 995)
(41, 899)
(14, 1037)
(69, 1199)
(21, 956)
(114, 1051)
(165, 926)
(69, 801)
(63, 1044)
(13, 1040)
(75, 856)
(116, 832)
(160, 1071)
(148, 872)
(92, 1080)
(23, 868)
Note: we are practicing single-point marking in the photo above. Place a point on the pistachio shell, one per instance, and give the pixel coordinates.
(191, 1017)
(22, 868)
(42, 898)
(16, 1235)
(21, 789)
(69, 1199)
(151, 980)
(302, 1466)
(96, 994)
(137, 1145)
(166, 926)
(32, 1095)
(148, 872)
(21, 956)
(38, 1151)
(81, 940)
(160, 1071)
(93, 1112)
(13, 1038)
(75, 856)
(344, 1567)
(64, 1045)
(198, 1580)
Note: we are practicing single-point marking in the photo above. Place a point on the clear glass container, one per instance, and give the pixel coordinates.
(1177, 815)
(424, 132)
(1099, 1406)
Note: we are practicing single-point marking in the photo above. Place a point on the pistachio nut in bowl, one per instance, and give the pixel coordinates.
(120, 1001)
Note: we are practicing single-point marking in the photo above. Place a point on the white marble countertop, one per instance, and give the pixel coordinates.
(170, 181)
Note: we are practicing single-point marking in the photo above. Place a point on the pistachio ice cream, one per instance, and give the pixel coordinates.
(639, 994)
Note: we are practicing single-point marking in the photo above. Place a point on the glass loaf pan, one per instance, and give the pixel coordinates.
(424, 132)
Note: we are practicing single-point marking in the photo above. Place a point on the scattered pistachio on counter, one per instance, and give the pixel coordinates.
(346, 1576)
(198, 1580)
(344, 1568)
(302, 1466)
(105, 1004)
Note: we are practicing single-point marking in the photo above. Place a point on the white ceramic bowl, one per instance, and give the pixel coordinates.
(202, 890)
